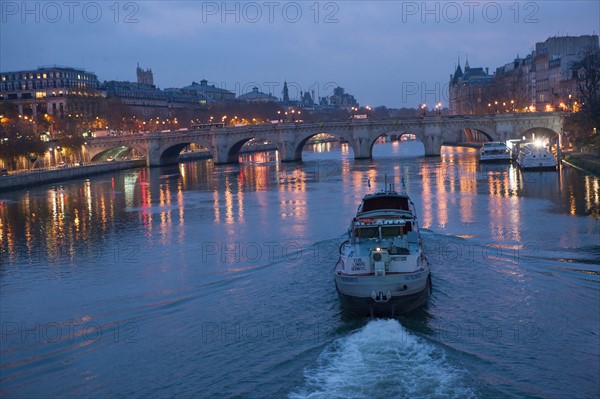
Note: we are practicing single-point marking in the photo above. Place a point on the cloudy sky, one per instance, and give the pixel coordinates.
(393, 53)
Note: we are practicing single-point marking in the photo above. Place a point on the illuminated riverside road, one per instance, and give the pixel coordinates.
(215, 281)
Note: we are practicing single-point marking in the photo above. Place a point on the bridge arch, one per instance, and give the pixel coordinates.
(97, 153)
(477, 134)
(232, 152)
(416, 134)
(545, 131)
(168, 153)
(303, 139)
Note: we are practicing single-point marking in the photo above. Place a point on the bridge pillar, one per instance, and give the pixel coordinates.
(361, 143)
(432, 140)
(153, 152)
(220, 150)
(287, 148)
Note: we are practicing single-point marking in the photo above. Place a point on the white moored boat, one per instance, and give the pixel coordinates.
(494, 152)
(532, 156)
(382, 269)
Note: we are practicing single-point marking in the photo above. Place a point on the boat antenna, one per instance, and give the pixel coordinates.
(385, 182)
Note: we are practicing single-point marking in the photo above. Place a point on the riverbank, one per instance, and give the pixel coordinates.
(585, 162)
(22, 179)
(37, 177)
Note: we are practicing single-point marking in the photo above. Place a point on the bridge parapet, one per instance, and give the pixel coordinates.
(289, 137)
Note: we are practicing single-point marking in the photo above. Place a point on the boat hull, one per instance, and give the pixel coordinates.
(356, 293)
(507, 159)
(396, 306)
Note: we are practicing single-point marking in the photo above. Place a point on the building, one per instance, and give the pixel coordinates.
(542, 81)
(515, 86)
(46, 89)
(256, 96)
(470, 91)
(145, 77)
(210, 93)
(341, 99)
(146, 100)
(553, 59)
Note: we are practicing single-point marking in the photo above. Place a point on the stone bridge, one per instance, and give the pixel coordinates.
(162, 148)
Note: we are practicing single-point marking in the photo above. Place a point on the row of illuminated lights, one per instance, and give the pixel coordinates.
(38, 75)
(44, 94)
(235, 120)
(532, 108)
(438, 108)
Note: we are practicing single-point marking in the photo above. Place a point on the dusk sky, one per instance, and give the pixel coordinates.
(393, 53)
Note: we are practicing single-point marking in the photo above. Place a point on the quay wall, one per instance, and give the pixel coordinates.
(37, 177)
(586, 163)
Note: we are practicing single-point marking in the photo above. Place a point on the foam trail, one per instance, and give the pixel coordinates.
(383, 360)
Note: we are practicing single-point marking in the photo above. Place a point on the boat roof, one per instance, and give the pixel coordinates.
(494, 144)
(385, 200)
(388, 193)
(531, 148)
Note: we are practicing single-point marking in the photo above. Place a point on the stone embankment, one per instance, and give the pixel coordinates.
(37, 177)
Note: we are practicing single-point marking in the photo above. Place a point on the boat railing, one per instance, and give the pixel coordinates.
(391, 212)
(343, 245)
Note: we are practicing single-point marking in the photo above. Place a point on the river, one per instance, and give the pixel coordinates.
(200, 281)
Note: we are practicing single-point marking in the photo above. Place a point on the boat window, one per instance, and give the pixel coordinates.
(368, 232)
(391, 231)
(385, 203)
(408, 226)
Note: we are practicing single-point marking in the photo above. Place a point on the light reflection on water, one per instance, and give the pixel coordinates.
(53, 219)
(169, 249)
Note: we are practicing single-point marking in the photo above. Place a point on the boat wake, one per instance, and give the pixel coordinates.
(383, 360)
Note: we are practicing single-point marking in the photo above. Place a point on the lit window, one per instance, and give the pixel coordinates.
(45, 76)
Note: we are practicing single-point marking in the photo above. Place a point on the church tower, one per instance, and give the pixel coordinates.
(286, 94)
(144, 77)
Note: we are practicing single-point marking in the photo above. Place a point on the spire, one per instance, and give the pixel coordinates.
(467, 64)
(458, 73)
(286, 96)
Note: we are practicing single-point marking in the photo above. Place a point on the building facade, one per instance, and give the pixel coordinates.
(469, 91)
(542, 81)
(210, 93)
(46, 89)
(144, 99)
(256, 96)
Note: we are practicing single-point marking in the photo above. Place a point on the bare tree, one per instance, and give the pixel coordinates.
(584, 125)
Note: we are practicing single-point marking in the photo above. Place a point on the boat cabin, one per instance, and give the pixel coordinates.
(384, 201)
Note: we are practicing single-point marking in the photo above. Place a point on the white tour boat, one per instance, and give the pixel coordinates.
(494, 152)
(532, 156)
(382, 269)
